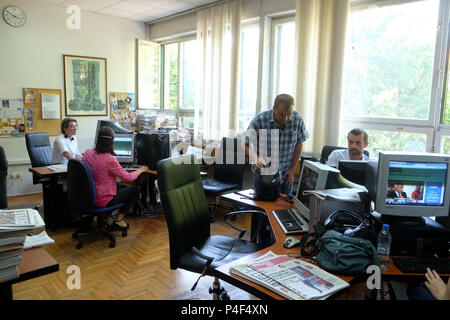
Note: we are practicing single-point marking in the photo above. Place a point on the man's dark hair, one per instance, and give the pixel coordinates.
(357, 132)
(105, 141)
(285, 100)
(65, 124)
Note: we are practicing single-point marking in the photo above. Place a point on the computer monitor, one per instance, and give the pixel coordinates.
(362, 172)
(124, 147)
(318, 176)
(150, 148)
(412, 186)
(117, 128)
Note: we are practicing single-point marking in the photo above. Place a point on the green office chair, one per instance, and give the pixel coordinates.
(192, 247)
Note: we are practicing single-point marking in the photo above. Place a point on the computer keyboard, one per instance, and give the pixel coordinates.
(131, 166)
(291, 222)
(420, 265)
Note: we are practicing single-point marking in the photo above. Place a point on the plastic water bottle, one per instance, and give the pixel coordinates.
(384, 246)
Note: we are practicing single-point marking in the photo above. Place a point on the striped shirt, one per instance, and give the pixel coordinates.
(264, 132)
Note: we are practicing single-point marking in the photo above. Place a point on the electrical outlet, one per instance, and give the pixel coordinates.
(11, 176)
(18, 175)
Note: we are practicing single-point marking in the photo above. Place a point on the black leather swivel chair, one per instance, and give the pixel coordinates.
(327, 150)
(228, 171)
(39, 151)
(3, 177)
(82, 195)
(192, 247)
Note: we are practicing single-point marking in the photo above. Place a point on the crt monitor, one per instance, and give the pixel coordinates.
(124, 147)
(318, 176)
(412, 185)
(117, 128)
(362, 172)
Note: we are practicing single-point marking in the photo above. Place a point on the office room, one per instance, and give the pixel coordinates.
(202, 70)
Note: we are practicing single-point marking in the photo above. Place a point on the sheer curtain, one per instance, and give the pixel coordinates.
(218, 34)
(320, 43)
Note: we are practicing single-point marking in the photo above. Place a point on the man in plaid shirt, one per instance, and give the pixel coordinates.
(274, 141)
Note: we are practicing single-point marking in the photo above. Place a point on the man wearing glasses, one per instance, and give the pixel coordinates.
(65, 146)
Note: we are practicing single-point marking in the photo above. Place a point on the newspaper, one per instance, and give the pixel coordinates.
(19, 220)
(344, 194)
(303, 278)
(58, 167)
(37, 240)
(248, 273)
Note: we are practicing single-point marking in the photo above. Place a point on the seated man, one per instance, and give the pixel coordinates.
(358, 140)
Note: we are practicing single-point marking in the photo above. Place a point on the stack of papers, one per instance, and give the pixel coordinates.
(15, 225)
(58, 167)
(291, 278)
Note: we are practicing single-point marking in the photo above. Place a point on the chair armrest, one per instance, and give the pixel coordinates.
(242, 231)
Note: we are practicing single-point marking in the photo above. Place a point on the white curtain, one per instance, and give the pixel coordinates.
(320, 42)
(218, 35)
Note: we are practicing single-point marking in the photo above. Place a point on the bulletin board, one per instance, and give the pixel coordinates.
(39, 120)
(11, 117)
(123, 109)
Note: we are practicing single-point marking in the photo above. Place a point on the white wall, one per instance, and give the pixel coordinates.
(32, 56)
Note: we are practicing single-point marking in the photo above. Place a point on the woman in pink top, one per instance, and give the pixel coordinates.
(105, 168)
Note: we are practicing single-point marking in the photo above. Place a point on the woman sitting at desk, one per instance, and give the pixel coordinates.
(105, 168)
(65, 146)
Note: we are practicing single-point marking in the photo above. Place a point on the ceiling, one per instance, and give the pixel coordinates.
(137, 10)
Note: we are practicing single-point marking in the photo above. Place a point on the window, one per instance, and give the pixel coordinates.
(283, 49)
(148, 74)
(445, 145)
(446, 116)
(388, 72)
(248, 75)
(170, 76)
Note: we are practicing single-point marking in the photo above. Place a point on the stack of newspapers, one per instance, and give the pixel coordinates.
(15, 226)
(291, 278)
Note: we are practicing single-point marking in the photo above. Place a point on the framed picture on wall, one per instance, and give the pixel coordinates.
(85, 85)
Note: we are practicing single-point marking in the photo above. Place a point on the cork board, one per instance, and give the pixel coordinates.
(32, 110)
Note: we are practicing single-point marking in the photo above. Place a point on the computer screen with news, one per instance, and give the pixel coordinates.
(413, 185)
(124, 147)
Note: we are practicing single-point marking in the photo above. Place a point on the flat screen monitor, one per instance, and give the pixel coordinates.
(317, 176)
(124, 147)
(117, 128)
(413, 185)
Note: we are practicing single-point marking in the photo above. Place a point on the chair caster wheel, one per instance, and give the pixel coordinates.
(124, 233)
(79, 245)
(75, 235)
(112, 244)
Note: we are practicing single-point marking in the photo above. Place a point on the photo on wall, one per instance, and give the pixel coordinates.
(85, 83)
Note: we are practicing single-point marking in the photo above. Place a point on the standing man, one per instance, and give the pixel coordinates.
(274, 142)
(65, 146)
(357, 140)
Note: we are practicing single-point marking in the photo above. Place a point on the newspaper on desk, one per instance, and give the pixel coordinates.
(304, 279)
(344, 194)
(57, 167)
(20, 219)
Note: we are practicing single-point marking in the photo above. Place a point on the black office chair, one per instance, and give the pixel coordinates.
(327, 150)
(39, 151)
(82, 195)
(3, 177)
(228, 172)
(192, 247)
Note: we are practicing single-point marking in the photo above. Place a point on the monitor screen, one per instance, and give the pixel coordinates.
(124, 147)
(117, 128)
(413, 185)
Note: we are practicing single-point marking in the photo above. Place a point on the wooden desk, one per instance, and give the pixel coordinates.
(36, 262)
(247, 285)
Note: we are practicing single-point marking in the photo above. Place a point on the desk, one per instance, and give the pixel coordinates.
(36, 262)
(55, 199)
(277, 247)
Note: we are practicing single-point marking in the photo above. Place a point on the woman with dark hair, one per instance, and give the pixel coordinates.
(65, 146)
(105, 168)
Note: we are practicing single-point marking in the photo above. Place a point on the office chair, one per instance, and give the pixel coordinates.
(327, 150)
(192, 247)
(3, 176)
(82, 195)
(228, 172)
(39, 151)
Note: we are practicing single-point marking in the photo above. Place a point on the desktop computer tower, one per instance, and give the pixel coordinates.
(150, 148)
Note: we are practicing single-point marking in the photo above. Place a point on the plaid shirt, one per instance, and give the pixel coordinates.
(260, 132)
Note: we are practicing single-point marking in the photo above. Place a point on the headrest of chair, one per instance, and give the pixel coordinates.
(80, 183)
(3, 161)
(37, 139)
(177, 171)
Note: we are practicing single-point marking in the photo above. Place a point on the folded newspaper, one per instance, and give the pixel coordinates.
(20, 219)
(344, 194)
(291, 278)
(58, 167)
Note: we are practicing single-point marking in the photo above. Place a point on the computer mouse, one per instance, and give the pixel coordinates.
(291, 242)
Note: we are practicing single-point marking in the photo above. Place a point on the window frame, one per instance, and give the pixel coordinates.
(433, 125)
